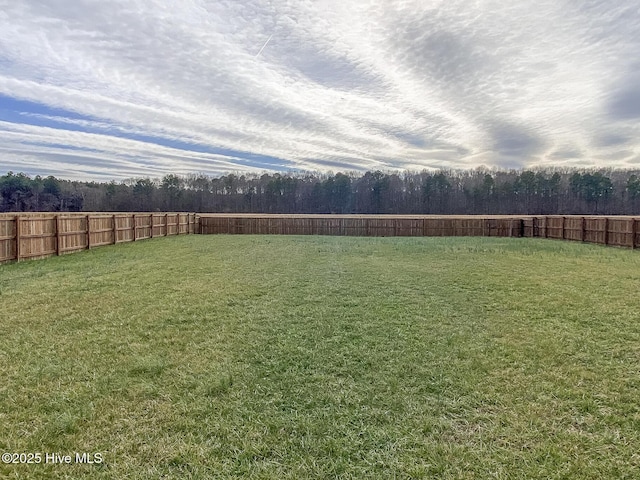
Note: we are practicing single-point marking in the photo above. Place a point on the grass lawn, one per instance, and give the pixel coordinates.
(324, 357)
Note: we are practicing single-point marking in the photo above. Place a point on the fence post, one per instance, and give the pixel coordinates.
(88, 232)
(166, 224)
(584, 229)
(17, 220)
(634, 231)
(606, 230)
(135, 229)
(563, 221)
(151, 228)
(115, 230)
(58, 235)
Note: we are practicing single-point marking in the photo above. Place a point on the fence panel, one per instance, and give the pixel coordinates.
(620, 232)
(7, 239)
(595, 230)
(36, 237)
(573, 228)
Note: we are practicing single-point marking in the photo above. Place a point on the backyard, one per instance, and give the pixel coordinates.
(323, 357)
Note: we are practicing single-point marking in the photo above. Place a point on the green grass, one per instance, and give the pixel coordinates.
(324, 357)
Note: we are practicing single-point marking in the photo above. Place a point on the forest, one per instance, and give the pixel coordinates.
(478, 191)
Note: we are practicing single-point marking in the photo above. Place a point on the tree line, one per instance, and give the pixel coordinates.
(478, 191)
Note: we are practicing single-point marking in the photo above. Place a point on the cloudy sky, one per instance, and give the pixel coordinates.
(111, 89)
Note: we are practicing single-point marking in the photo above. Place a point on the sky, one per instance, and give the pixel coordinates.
(110, 90)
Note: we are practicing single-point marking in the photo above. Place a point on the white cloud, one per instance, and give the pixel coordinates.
(366, 84)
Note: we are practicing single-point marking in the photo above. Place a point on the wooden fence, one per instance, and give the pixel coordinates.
(28, 235)
(362, 225)
(620, 231)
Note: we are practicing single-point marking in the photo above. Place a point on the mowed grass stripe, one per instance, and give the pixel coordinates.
(324, 357)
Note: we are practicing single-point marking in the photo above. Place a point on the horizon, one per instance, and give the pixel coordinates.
(352, 174)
